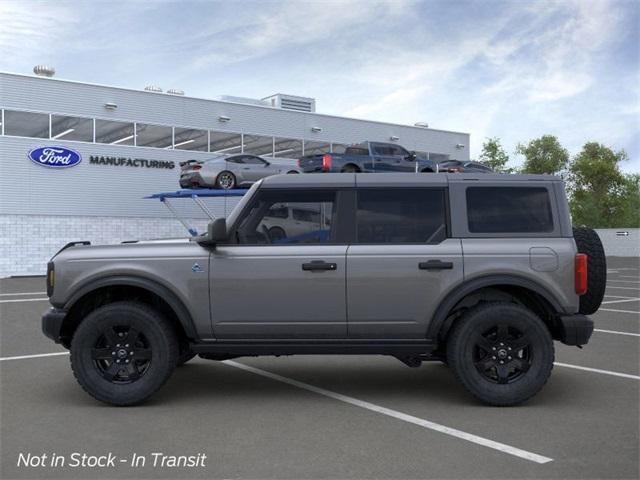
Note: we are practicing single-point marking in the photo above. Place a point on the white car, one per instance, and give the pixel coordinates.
(231, 171)
(283, 222)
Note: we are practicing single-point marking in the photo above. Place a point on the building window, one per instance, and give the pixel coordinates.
(114, 133)
(315, 148)
(71, 128)
(509, 210)
(225, 142)
(401, 216)
(26, 124)
(157, 136)
(258, 145)
(287, 148)
(190, 139)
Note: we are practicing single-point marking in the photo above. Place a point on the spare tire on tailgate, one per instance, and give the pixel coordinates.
(588, 242)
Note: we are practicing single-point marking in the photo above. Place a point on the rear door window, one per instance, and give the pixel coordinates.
(401, 216)
(509, 210)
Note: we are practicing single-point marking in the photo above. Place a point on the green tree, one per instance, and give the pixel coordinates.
(630, 215)
(543, 155)
(494, 156)
(601, 195)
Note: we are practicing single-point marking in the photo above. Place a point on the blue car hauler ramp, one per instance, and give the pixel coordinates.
(196, 195)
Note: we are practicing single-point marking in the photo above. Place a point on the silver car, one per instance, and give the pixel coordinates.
(231, 171)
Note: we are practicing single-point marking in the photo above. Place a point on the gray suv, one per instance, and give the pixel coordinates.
(480, 271)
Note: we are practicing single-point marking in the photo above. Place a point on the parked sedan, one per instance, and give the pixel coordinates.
(231, 171)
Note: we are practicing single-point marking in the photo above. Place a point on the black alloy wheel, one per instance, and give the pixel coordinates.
(502, 354)
(121, 354)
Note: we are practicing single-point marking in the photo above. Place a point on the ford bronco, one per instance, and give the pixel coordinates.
(480, 271)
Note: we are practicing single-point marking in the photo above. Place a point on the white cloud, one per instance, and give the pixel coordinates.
(281, 25)
(32, 29)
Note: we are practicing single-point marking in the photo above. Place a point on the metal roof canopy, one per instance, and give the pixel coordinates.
(195, 195)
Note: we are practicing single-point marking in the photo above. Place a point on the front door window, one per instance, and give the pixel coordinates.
(291, 217)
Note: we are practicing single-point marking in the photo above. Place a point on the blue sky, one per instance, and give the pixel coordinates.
(515, 70)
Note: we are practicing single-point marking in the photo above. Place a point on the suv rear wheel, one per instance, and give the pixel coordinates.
(123, 352)
(501, 352)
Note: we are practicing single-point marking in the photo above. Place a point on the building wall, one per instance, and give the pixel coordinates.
(87, 189)
(27, 242)
(616, 245)
(42, 209)
(74, 98)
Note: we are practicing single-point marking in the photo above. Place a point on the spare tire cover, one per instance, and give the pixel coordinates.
(588, 242)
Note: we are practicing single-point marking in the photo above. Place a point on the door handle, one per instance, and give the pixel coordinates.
(319, 266)
(435, 265)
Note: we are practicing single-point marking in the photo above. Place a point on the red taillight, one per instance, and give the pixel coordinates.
(196, 167)
(581, 273)
(299, 162)
(326, 162)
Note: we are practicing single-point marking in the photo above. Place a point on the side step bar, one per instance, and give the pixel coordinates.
(241, 348)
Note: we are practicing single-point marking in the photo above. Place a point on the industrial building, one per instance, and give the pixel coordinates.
(129, 144)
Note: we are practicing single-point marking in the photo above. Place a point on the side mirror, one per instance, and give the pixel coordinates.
(412, 156)
(216, 232)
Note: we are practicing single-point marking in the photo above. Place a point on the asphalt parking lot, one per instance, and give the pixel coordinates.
(328, 417)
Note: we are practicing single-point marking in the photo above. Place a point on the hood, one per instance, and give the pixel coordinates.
(128, 248)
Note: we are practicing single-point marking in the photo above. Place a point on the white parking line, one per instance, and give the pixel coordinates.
(637, 289)
(533, 457)
(40, 355)
(616, 332)
(620, 301)
(623, 281)
(16, 294)
(24, 300)
(616, 296)
(617, 311)
(597, 370)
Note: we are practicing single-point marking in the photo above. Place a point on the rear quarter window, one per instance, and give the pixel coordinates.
(356, 151)
(509, 210)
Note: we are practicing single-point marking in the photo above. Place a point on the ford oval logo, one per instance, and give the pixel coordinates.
(55, 157)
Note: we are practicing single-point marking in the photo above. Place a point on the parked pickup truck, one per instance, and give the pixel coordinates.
(372, 157)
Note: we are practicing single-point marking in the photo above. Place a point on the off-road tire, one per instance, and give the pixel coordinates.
(161, 346)
(462, 350)
(588, 242)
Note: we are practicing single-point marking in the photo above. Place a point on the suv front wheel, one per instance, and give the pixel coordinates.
(501, 352)
(123, 352)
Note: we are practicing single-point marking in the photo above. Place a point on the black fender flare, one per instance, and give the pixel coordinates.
(181, 311)
(461, 291)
